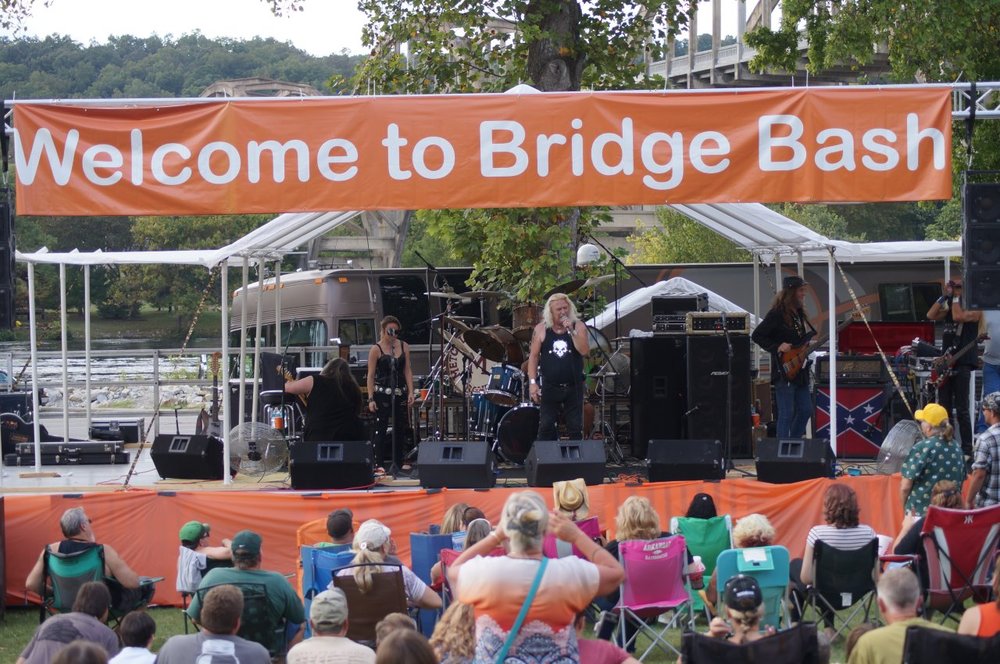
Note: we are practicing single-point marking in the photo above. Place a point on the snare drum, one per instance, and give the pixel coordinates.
(517, 431)
(504, 388)
(485, 416)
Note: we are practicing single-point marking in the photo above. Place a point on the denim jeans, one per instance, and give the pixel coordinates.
(566, 399)
(991, 383)
(794, 408)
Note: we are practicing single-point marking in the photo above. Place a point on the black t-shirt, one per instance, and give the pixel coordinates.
(559, 362)
(774, 330)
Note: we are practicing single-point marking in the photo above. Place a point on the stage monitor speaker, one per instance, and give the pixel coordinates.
(671, 460)
(554, 460)
(786, 460)
(332, 465)
(464, 464)
(187, 457)
(707, 368)
(659, 393)
(981, 245)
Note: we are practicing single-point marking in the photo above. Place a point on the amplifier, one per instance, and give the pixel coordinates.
(711, 322)
(668, 323)
(665, 305)
(853, 369)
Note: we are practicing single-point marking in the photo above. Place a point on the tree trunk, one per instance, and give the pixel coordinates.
(556, 61)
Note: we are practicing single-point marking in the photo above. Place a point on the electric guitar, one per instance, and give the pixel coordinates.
(942, 366)
(209, 423)
(791, 362)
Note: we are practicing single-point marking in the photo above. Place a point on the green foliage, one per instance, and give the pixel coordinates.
(820, 218)
(679, 239)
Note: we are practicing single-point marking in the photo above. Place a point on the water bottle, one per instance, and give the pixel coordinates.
(696, 573)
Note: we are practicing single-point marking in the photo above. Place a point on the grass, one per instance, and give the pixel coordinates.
(20, 623)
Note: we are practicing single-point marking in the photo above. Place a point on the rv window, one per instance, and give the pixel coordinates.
(354, 331)
(404, 297)
(907, 302)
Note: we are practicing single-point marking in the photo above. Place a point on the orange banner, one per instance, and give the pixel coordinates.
(496, 150)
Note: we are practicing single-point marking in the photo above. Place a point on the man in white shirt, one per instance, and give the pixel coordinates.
(329, 644)
(136, 631)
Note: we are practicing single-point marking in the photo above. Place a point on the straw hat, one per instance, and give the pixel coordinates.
(570, 497)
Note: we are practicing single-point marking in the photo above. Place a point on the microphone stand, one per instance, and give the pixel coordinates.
(616, 262)
(393, 382)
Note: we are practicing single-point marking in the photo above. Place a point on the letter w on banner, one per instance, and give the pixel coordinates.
(456, 151)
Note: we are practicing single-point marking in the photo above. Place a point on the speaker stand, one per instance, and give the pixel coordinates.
(727, 462)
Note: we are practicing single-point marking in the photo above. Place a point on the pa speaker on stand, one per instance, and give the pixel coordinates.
(981, 245)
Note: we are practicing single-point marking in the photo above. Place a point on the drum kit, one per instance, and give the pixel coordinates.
(485, 365)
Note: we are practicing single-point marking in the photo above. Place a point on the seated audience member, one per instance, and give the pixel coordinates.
(390, 624)
(842, 531)
(137, 630)
(283, 601)
(454, 637)
(405, 646)
(78, 536)
(340, 528)
(908, 543)
(195, 555)
(571, 498)
(898, 600)
(371, 545)
(470, 514)
(702, 507)
(217, 640)
(85, 622)
(81, 652)
(856, 633)
(329, 643)
(744, 606)
(476, 531)
(984, 619)
(596, 651)
(753, 530)
(452, 521)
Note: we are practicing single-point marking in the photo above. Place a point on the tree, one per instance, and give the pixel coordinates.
(679, 239)
(441, 46)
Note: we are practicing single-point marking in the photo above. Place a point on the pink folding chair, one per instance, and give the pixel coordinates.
(556, 548)
(653, 586)
(960, 547)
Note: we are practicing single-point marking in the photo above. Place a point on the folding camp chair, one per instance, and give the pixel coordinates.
(424, 553)
(64, 573)
(552, 547)
(258, 623)
(933, 646)
(318, 566)
(798, 644)
(706, 538)
(653, 586)
(842, 580)
(960, 547)
(387, 595)
(769, 566)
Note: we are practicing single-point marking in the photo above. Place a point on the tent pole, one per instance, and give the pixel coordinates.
(832, 323)
(278, 345)
(33, 334)
(947, 269)
(226, 401)
(243, 342)
(256, 341)
(756, 307)
(86, 343)
(63, 343)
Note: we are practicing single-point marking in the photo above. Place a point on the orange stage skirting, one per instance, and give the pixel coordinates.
(143, 525)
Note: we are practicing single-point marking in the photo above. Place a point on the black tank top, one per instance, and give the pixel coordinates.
(330, 416)
(559, 361)
(383, 368)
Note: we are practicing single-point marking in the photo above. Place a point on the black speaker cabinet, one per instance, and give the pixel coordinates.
(981, 245)
(671, 460)
(187, 457)
(786, 460)
(464, 464)
(707, 368)
(332, 465)
(658, 396)
(554, 460)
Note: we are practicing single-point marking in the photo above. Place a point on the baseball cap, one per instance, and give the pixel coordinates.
(992, 402)
(371, 535)
(329, 608)
(246, 541)
(934, 414)
(742, 593)
(794, 281)
(192, 531)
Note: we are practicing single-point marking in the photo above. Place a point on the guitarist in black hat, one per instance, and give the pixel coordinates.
(785, 333)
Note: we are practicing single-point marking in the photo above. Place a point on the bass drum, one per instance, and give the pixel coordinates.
(517, 431)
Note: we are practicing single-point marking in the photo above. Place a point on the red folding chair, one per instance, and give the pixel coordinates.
(960, 547)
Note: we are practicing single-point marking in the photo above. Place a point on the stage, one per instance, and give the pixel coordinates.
(142, 521)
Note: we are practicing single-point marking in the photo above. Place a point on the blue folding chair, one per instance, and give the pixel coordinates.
(318, 565)
(424, 551)
(769, 566)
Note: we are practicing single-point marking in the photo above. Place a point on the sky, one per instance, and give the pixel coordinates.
(322, 28)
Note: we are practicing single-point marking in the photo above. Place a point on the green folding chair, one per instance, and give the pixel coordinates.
(706, 538)
(258, 622)
(63, 574)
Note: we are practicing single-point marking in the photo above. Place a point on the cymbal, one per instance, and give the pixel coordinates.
(593, 281)
(485, 343)
(483, 293)
(569, 287)
(449, 296)
(456, 322)
(456, 341)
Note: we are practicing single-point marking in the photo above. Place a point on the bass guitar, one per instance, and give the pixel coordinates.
(791, 362)
(942, 366)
